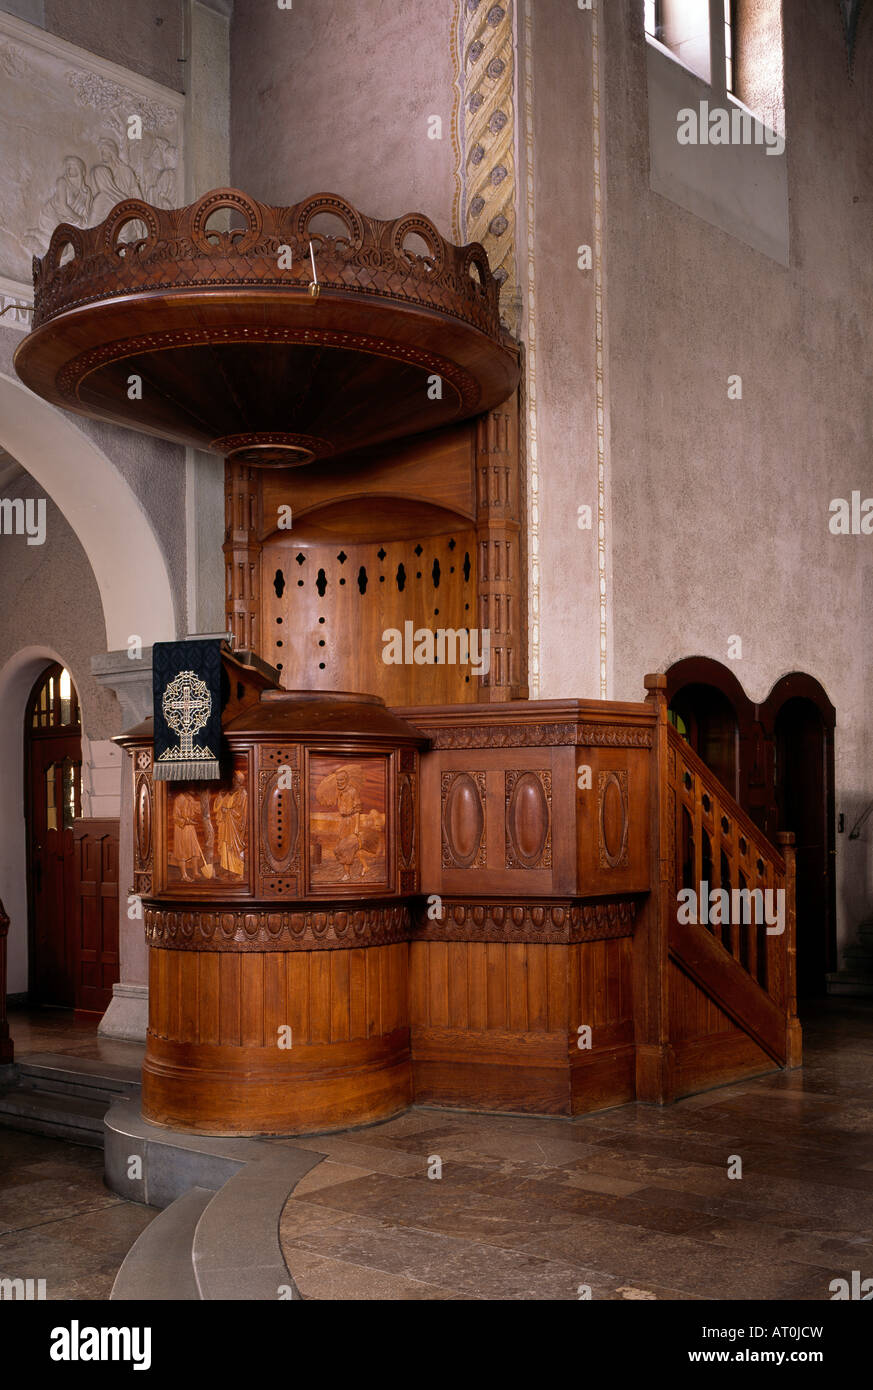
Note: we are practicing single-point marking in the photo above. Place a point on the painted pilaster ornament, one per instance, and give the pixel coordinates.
(485, 208)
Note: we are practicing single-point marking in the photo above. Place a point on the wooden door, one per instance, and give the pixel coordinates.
(801, 792)
(54, 763)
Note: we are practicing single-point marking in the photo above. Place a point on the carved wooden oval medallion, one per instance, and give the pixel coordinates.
(143, 821)
(613, 820)
(407, 821)
(527, 820)
(279, 824)
(464, 820)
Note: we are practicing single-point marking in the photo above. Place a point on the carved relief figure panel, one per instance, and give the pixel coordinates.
(207, 832)
(348, 814)
(64, 119)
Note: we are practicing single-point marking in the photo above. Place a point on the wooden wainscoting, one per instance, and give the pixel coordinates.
(495, 1023)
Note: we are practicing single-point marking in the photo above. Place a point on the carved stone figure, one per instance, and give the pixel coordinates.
(113, 180)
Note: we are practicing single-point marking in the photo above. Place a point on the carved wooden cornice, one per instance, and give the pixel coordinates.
(549, 923)
(536, 735)
(331, 927)
(177, 252)
(323, 928)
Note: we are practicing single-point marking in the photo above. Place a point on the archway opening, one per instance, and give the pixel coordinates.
(707, 719)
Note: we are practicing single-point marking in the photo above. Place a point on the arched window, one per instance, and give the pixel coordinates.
(54, 704)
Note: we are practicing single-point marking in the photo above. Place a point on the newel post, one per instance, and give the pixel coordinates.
(7, 1047)
(655, 1079)
(793, 1031)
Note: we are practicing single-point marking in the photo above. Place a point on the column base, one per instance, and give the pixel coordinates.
(127, 1017)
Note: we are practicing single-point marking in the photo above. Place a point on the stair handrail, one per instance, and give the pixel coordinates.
(762, 866)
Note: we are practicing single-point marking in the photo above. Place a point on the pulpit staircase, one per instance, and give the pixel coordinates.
(718, 998)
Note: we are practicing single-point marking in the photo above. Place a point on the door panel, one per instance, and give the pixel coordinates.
(54, 760)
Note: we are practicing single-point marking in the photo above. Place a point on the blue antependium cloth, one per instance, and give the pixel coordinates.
(186, 682)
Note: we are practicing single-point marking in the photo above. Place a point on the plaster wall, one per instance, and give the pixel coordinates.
(720, 506)
(146, 36)
(561, 328)
(335, 97)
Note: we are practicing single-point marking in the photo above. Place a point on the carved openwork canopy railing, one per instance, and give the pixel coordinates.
(254, 331)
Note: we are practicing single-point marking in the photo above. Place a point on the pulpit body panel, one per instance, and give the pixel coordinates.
(276, 909)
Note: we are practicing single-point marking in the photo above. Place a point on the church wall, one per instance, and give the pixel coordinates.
(51, 610)
(557, 45)
(181, 495)
(720, 507)
(335, 97)
(144, 35)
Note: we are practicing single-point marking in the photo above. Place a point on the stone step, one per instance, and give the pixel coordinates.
(236, 1252)
(77, 1118)
(159, 1266)
(172, 1161)
(850, 982)
(79, 1076)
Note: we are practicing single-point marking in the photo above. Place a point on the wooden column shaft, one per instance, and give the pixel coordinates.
(242, 553)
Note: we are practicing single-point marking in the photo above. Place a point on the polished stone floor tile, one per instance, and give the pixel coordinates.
(632, 1203)
(58, 1221)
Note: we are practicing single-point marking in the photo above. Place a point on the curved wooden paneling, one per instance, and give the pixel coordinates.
(276, 1042)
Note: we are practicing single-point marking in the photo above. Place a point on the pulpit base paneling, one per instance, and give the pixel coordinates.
(214, 1063)
(497, 1025)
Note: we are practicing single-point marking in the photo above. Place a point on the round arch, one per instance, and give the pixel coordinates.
(101, 508)
(705, 670)
(797, 685)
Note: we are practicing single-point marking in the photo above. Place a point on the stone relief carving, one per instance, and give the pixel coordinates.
(64, 132)
(84, 196)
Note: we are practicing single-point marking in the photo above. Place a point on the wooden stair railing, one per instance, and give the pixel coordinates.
(718, 847)
(704, 841)
(7, 1050)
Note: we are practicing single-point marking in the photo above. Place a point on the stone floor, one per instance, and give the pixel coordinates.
(634, 1203)
(57, 1030)
(57, 1220)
